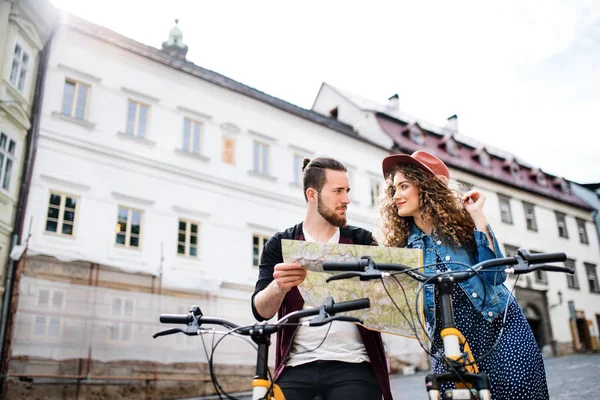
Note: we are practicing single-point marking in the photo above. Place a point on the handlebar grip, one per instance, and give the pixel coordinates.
(176, 319)
(542, 258)
(350, 305)
(343, 266)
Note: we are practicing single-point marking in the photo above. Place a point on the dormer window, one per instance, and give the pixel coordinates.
(514, 169)
(541, 179)
(452, 147)
(484, 158)
(563, 185)
(416, 135)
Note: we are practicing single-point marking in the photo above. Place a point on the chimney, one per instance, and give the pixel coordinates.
(452, 124)
(394, 102)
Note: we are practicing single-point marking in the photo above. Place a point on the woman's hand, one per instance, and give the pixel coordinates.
(473, 202)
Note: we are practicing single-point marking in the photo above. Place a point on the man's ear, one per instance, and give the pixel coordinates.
(311, 194)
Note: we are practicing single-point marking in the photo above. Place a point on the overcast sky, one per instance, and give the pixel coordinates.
(522, 76)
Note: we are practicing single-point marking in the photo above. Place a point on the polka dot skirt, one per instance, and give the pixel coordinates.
(515, 367)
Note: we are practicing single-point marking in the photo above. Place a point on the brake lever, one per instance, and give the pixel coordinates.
(363, 276)
(169, 331)
(344, 275)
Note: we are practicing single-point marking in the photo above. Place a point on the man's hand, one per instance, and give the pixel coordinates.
(288, 275)
(285, 276)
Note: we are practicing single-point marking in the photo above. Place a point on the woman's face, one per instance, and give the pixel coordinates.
(406, 196)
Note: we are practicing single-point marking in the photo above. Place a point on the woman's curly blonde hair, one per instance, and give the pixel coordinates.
(440, 206)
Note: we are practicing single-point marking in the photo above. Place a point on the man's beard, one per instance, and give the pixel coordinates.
(330, 215)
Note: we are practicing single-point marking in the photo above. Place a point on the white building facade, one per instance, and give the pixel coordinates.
(155, 186)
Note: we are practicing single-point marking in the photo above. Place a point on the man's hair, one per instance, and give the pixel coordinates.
(313, 172)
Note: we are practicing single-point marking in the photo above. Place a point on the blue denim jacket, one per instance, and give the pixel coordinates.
(491, 287)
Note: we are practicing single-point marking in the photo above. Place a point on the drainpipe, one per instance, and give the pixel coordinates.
(30, 153)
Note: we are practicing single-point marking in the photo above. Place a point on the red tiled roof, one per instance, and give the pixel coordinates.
(467, 160)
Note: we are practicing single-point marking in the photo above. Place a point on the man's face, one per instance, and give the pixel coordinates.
(333, 199)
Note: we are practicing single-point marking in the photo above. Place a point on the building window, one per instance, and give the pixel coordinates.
(120, 328)
(592, 277)
(375, 192)
(564, 185)
(258, 242)
(541, 179)
(484, 159)
(62, 209)
(505, 211)
(187, 238)
(46, 324)
(137, 119)
(416, 135)
(510, 250)
(514, 169)
(129, 225)
(75, 99)
(19, 68)
(464, 186)
(530, 216)
(452, 147)
(260, 163)
(298, 162)
(540, 276)
(192, 136)
(583, 237)
(7, 159)
(572, 280)
(562, 224)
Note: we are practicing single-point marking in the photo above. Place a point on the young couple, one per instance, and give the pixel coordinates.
(418, 210)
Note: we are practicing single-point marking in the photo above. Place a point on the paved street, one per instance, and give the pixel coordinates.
(571, 377)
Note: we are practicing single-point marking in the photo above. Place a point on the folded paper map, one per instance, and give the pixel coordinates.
(383, 316)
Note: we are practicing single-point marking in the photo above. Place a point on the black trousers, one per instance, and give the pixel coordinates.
(330, 380)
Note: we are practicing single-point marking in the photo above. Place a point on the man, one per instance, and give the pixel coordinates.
(338, 361)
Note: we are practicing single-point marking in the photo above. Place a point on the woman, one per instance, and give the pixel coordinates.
(419, 210)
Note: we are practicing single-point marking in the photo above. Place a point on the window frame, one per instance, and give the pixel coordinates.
(262, 240)
(261, 154)
(297, 174)
(572, 280)
(188, 235)
(530, 207)
(5, 157)
(375, 190)
(191, 136)
(61, 211)
(505, 200)
(541, 276)
(127, 244)
(119, 321)
(561, 222)
(136, 121)
(27, 69)
(589, 267)
(582, 231)
(73, 112)
(48, 316)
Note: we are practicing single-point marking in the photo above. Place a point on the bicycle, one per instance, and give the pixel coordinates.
(463, 370)
(263, 386)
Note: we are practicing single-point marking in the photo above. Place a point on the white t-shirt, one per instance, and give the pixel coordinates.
(342, 339)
